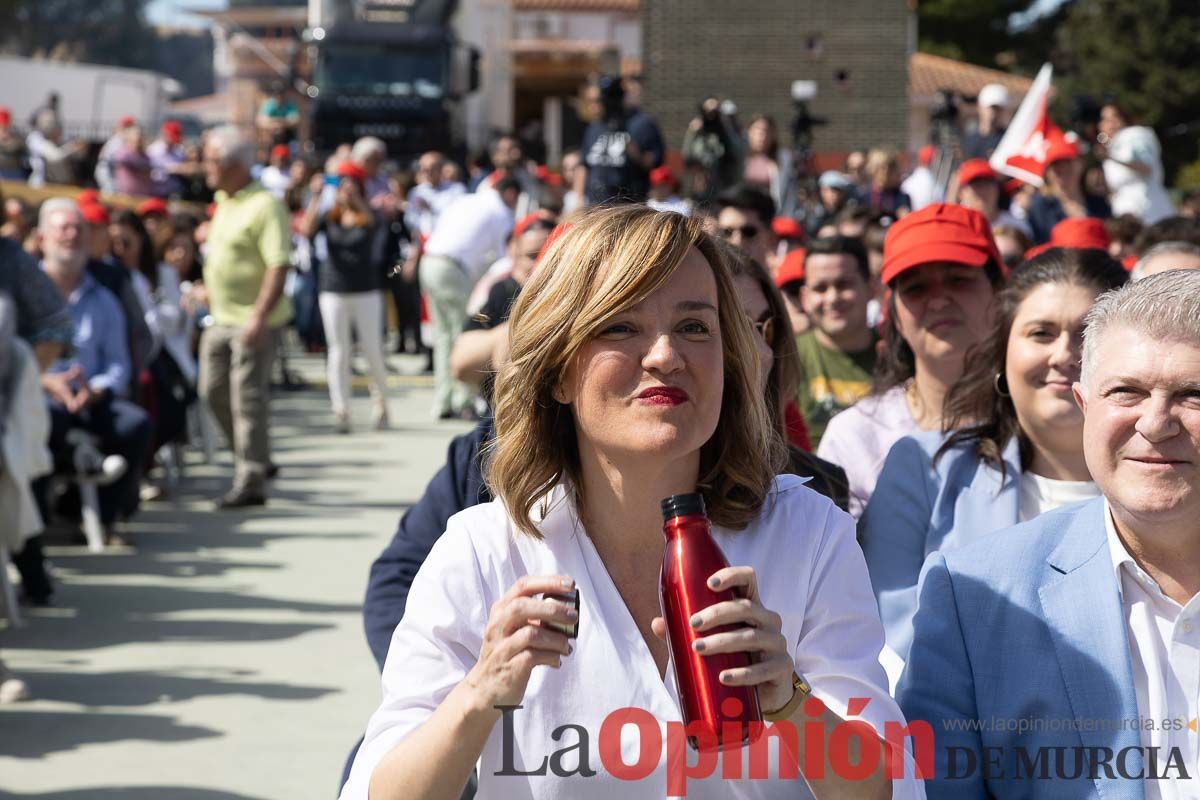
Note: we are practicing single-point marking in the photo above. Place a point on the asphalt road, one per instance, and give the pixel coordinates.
(224, 659)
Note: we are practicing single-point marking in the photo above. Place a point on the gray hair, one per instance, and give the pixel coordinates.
(1165, 306)
(366, 147)
(233, 145)
(55, 205)
(1163, 249)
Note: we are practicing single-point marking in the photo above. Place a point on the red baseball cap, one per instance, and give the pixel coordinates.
(1078, 233)
(976, 169)
(661, 176)
(787, 228)
(925, 155)
(938, 232)
(126, 121)
(87, 196)
(524, 223)
(5, 115)
(348, 169)
(791, 268)
(172, 131)
(280, 151)
(94, 214)
(1086, 233)
(1060, 150)
(152, 208)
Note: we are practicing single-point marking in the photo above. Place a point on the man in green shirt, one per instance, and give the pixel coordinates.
(249, 248)
(838, 354)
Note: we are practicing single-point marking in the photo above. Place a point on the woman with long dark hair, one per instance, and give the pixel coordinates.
(942, 270)
(1014, 447)
(764, 305)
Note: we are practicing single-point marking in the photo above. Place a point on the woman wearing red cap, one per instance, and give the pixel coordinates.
(1015, 443)
(1063, 194)
(942, 270)
(979, 189)
(351, 283)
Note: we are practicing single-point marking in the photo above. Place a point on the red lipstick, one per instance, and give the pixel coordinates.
(663, 396)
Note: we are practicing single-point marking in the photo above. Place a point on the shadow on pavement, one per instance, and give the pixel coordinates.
(132, 793)
(35, 734)
(142, 688)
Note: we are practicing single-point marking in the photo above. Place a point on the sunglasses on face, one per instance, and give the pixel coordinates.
(747, 231)
(765, 325)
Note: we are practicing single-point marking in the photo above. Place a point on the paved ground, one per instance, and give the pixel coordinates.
(224, 659)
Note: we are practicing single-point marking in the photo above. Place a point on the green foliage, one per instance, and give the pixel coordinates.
(95, 31)
(975, 31)
(1142, 53)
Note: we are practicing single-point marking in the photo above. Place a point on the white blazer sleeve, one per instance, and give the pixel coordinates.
(434, 646)
(841, 640)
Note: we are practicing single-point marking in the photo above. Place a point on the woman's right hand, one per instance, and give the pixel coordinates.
(514, 642)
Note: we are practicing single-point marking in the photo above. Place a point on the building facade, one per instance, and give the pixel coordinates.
(856, 52)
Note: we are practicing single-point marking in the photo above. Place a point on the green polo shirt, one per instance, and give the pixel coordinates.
(248, 235)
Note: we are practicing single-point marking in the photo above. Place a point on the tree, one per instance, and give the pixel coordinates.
(95, 31)
(1141, 53)
(975, 31)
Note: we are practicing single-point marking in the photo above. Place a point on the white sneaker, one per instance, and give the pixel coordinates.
(12, 688)
(342, 422)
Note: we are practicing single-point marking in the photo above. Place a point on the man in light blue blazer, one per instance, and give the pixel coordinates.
(1061, 657)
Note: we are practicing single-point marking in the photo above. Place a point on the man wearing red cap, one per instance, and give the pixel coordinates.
(1063, 195)
(13, 152)
(979, 189)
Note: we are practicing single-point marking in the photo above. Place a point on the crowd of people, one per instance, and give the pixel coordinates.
(871, 374)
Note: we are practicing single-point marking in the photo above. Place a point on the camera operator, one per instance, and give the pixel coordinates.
(619, 150)
(712, 151)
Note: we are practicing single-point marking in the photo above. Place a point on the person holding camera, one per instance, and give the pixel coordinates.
(619, 150)
(712, 150)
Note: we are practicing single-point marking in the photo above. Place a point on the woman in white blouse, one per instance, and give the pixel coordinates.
(1015, 443)
(633, 376)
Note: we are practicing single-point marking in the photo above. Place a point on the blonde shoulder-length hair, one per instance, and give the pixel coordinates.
(609, 260)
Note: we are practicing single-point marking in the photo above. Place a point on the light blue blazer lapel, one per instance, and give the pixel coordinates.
(1083, 612)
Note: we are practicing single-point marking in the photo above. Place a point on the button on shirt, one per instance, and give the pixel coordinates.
(473, 230)
(248, 235)
(810, 571)
(1164, 650)
(101, 348)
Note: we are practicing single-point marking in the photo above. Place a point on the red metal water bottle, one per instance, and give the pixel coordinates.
(690, 559)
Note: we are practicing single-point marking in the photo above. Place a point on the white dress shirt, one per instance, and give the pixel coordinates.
(473, 230)
(426, 203)
(1164, 651)
(810, 571)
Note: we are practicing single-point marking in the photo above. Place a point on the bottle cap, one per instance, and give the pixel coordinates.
(679, 505)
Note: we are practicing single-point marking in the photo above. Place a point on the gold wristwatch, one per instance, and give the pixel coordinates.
(800, 691)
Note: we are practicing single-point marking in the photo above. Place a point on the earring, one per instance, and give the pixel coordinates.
(996, 384)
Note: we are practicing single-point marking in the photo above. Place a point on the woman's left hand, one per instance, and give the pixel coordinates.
(760, 634)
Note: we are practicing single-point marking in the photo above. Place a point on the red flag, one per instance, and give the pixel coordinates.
(1022, 151)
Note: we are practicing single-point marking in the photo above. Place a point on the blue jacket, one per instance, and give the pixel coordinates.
(1026, 627)
(457, 485)
(918, 508)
